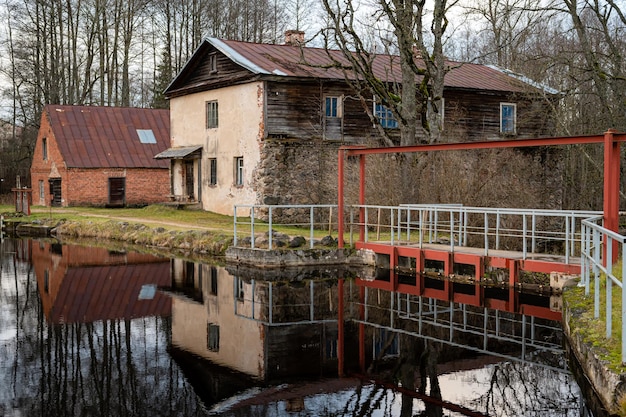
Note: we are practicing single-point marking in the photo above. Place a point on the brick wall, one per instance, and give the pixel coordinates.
(90, 187)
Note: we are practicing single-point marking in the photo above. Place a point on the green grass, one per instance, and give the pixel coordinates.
(593, 330)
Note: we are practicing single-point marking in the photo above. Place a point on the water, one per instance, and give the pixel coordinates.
(87, 331)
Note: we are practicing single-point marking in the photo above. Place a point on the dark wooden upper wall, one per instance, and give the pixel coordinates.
(294, 107)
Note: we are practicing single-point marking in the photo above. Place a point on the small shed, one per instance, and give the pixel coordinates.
(100, 156)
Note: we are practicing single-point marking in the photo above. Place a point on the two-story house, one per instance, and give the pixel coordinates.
(261, 124)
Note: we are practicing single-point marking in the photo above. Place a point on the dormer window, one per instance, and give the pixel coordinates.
(212, 62)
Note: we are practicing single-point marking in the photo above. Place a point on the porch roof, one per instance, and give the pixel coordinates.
(181, 152)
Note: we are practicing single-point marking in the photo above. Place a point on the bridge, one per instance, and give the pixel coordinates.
(589, 243)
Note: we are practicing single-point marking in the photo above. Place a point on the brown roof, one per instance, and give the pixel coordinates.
(294, 61)
(112, 292)
(107, 137)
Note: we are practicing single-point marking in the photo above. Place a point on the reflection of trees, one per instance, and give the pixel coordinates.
(110, 368)
(116, 368)
(520, 389)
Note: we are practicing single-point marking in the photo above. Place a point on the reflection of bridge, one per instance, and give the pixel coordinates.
(488, 322)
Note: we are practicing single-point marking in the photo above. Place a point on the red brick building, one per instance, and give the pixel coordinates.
(100, 156)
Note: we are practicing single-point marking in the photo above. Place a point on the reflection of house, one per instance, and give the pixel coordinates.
(258, 123)
(100, 156)
(264, 329)
(86, 284)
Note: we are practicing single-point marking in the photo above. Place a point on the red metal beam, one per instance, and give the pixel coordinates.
(488, 144)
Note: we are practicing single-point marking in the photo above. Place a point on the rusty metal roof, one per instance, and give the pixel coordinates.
(111, 292)
(294, 61)
(182, 152)
(107, 137)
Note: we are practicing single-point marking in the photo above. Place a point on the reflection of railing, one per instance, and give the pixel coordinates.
(266, 218)
(599, 246)
(286, 303)
(456, 323)
(524, 230)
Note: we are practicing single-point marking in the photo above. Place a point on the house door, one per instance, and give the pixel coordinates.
(117, 191)
(189, 180)
(55, 192)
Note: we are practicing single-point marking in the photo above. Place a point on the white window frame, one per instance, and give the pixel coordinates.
(384, 115)
(512, 131)
(212, 114)
(333, 112)
(238, 165)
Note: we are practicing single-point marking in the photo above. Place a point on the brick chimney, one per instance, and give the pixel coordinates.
(294, 38)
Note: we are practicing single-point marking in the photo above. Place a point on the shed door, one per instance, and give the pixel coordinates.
(117, 191)
(55, 192)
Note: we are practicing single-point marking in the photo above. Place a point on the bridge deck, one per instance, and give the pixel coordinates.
(449, 259)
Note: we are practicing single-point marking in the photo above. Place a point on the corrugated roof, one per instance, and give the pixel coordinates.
(293, 61)
(106, 137)
(111, 292)
(180, 153)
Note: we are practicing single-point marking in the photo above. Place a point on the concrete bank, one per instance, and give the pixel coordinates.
(609, 386)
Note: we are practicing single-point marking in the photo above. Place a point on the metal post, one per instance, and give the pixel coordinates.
(524, 237)
(311, 234)
(235, 226)
(451, 231)
(486, 229)
(623, 316)
(611, 184)
(567, 233)
(252, 227)
(533, 246)
(340, 198)
(596, 273)
(497, 229)
(361, 195)
(609, 286)
(270, 237)
(392, 226)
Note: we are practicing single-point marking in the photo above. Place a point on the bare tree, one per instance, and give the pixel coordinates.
(417, 96)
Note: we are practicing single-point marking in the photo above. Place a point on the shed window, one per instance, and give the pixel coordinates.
(212, 120)
(333, 106)
(508, 118)
(146, 136)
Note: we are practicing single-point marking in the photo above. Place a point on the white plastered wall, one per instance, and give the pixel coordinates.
(240, 110)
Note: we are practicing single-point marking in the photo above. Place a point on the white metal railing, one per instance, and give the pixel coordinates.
(599, 246)
(263, 217)
(524, 230)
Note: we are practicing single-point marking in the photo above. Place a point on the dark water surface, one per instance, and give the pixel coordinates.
(87, 331)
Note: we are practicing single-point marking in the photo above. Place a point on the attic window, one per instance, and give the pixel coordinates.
(146, 136)
(212, 63)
